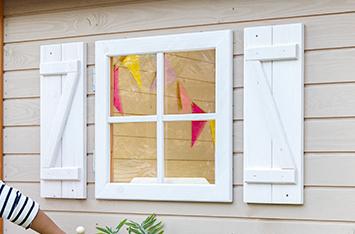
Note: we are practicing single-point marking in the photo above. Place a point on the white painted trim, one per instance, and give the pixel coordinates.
(165, 118)
(222, 190)
(190, 117)
(169, 180)
(132, 119)
(272, 53)
(160, 113)
(163, 192)
(60, 118)
(270, 176)
(61, 173)
(274, 114)
(63, 120)
(166, 43)
(59, 68)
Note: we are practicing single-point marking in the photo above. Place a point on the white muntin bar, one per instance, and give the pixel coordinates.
(160, 113)
(190, 117)
(132, 119)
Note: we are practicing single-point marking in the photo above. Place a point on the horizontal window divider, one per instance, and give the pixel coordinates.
(132, 119)
(189, 117)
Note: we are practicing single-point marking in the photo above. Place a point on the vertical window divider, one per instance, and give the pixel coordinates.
(160, 113)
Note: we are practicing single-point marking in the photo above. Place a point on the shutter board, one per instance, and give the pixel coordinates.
(50, 94)
(63, 120)
(273, 114)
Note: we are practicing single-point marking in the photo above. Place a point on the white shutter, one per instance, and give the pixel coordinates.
(63, 120)
(273, 114)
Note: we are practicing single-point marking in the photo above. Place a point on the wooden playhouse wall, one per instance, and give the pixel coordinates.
(329, 108)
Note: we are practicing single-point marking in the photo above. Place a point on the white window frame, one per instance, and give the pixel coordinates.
(222, 190)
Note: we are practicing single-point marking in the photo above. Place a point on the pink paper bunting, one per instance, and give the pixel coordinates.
(169, 74)
(196, 126)
(116, 94)
(184, 102)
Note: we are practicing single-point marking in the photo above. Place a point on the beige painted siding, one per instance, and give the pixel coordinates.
(329, 108)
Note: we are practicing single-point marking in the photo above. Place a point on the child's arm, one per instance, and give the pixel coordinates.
(44, 225)
(23, 211)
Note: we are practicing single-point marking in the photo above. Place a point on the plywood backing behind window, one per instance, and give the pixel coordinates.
(133, 145)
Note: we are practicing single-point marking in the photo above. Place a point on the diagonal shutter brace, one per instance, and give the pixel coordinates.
(285, 175)
(71, 70)
(270, 106)
(273, 114)
(63, 120)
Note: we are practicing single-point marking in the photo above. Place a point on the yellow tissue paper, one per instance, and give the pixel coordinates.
(132, 63)
(213, 130)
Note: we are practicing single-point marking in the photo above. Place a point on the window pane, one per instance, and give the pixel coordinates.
(132, 85)
(190, 152)
(190, 82)
(133, 152)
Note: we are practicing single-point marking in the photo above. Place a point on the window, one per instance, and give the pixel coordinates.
(163, 121)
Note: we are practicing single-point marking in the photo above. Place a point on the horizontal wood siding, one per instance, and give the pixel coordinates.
(329, 108)
(205, 225)
(25, 168)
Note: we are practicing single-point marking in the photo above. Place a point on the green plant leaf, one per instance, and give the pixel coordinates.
(120, 225)
(156, 228)
(149, 221)
(132, 225)
(149, 218)
(148, 226)
(110, 230)
(142, 230)
(103, 230)
(131, 230)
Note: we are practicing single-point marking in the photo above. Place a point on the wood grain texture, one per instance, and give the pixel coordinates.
(244, 8)
(321, 135)
(20, 7)
(330, 100)
(25, 168)
(19, 112)
(25, 83)
(336, 34)
(329, 135)
(124, 147)
(320, 205)
(329, 107)
(26, 137)
(323, 66)
(207, 225)
(1, 96)
(125, 170)
(101, 20)
(321, 101)
(25, 112)
(21, 84)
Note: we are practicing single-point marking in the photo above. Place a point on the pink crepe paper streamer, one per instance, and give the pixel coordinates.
(116, 94)
(196, 126)
(184, 102)
(170, 74)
